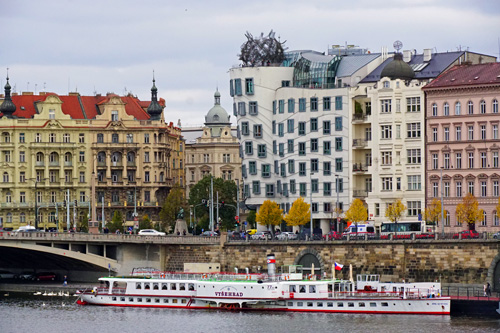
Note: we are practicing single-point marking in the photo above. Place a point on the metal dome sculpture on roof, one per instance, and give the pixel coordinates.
(262, 50)
(397, 68)
(217, 115)
(8, 107)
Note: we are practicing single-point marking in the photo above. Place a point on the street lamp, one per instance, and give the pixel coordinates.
(310, 178)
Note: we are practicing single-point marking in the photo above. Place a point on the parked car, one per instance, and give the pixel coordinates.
(151, 232)
(262, 235)
(26, 276)
(26, 228)
(286, 235)
(7, 275)
(467, 234)
(235, 235)
(45, 276)
(251, 231)
(332, 235)
(208, 234)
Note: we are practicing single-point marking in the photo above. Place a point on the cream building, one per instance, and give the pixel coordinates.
(54, 147)
(213, 149)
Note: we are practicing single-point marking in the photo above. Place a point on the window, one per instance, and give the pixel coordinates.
(21, 138)
(446, 157)
(495, 106)
(434, 110)
(114, 138)
(302, 169)
(261, 151)
(413, 104)
(82, 156)
(314, 186)
(146, 156)
(314, 145)
(302, 148)
(458, 133)
(293, 187)
(327, 147)
(339, 185)
(237, 87)
(22, 177)
(257, 131)
(458, 160)
(413, 130)
(386, 131)
(302, 189)
(289, 125)
(302, 105)
(244, 128)
(327, 189)
(281, 106)
(338, 123)
(470, 187)
(291, 105)
(327, 168)
(326, 127)
(470, 160)
(435, 190)
(495, 159)
(338, 102)
(252, 167)
(338, 144)
(22, 157)
(413, 156)
(314, 165)
(338, 164)
(38, 137)
(327, 104)
(242, 108)
(291, 166)
(386, 183)
(248, 148)
(458, 189)
(269, 190)
(385, 106)
(446, 109)
(266, 170)
(414, 208)
(314, 124)
(483, 189)
(281, 129)
(414, 183)
(483, 132)
(482, 106)
(483, 160)
(249, 86)
(386, 158)
(434, 134)
(458, 108)
(314, 103)
(290, 146)
(470, 107)
(302, 128)
(496, 192)
(256, 187)
(470, 133)
(495, 131)
(281, 149)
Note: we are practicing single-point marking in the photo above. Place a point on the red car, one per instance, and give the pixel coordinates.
(332, 235)
(467, 234)
(45, 276)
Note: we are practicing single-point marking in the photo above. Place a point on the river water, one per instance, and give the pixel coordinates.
(29, 313)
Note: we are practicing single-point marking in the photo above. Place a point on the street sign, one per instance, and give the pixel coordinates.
(245, 223)
(236, 218)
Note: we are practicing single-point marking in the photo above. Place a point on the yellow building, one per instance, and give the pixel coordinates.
(52, 146)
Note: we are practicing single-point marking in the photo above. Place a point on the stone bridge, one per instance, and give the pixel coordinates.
(451, 261)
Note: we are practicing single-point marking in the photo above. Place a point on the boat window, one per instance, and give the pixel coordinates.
(300, 304)
(350, 304)
(319, 304)
(146, 286)
(164, 286)
(191, 286)
(173, 286)
(183, 301)
(290, 303)
(302, 289)
(139, 299)
(329, 304)
(312, 289)
(138, 285)
(340, 304)
(113, 298)
(310, 304)
(385, 304)
(148, 300)
(157, 300)
(361, 304)
(292, 288)
(193, 302)
(155, 286)
(130, 299)
(174, 300)
(122, 299)
(373, 304)
(394, 289)
(165, 300)
(182, 286)
(364, 277)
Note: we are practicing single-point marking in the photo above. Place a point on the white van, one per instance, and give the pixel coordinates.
(363, 229)
(26, 228)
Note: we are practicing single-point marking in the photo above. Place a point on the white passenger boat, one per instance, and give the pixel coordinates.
(289, 290)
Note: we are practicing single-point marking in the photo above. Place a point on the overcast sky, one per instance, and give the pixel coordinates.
(114, 45)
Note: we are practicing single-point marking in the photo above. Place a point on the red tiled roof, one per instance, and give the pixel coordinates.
(72, 105)
(466, 75)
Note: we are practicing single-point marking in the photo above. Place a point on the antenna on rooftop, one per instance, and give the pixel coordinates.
(44, 87)
(36, 84)
(28, 86)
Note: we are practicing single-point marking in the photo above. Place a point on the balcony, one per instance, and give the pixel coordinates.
(360, 193)
(359, 167)
(359, 118)
(359, 143)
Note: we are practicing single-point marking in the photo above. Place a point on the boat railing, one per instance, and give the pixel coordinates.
(215, 276)
(118, 290)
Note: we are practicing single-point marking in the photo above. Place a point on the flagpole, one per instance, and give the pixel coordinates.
(333, 272)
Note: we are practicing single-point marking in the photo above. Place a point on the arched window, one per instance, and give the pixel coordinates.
(100, 138)
(482, 106)
(496, 219)
(116, 157)
(53, 157)
(161, 177)
(458, 108)
(101, 157)
(470, 107)
(387, 84)
(446, 218)
(39, 157)
(6, 137)
(434, 110)
(5, 177)
(484, 221)
(446, 109)
(67, 157)
(130, 157)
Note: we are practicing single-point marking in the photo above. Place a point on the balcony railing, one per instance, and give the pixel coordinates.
(359, 143)
(359, 117)
(359, 167)
(360, 193)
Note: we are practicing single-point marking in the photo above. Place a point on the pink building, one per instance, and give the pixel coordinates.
(462, 141)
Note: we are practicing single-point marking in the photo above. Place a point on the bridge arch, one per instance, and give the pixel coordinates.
(494, 273)
(307, 258)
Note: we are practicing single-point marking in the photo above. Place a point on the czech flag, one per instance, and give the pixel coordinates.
(338, 266)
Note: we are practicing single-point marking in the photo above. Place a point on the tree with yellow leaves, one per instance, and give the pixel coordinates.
(299, 214)
(498, 208)
(468, 211)
(394, 212)
(269, 214)
(357, 212)
(433, 212)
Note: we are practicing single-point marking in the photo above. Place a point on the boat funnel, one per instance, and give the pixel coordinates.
(271, 264)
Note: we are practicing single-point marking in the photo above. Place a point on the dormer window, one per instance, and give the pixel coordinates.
(114, 115)
(387, 84)
(52, 114)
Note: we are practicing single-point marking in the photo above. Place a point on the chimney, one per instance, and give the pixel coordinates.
(73, 94)
(271, 265)
(427, 54)
(406, 55)
(27, 93)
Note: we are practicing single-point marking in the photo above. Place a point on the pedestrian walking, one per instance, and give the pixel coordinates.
(488, 289)
(65, 283)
